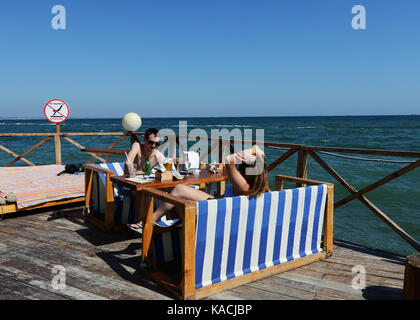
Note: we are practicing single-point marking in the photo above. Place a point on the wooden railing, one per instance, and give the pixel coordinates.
(303, 153)
(57, 143)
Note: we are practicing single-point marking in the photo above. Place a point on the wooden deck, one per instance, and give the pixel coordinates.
(107, 266)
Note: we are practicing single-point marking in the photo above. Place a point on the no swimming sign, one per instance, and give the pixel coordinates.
(56, 111)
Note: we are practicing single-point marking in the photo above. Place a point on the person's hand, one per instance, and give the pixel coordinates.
(257, 150)
(245, 156)
(248, 156)
(239, 157)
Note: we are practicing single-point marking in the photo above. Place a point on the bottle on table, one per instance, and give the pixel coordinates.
(147, 168)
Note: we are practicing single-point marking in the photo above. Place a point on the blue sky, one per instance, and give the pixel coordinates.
(210, 58)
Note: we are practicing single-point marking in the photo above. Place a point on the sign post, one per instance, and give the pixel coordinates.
(57, 111)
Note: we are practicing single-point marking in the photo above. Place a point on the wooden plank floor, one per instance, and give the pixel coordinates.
(106, 266)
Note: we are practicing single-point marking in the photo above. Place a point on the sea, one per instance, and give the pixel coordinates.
(353, 222)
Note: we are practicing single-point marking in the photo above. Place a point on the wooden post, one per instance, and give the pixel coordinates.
(412, 278)
(222, 184)
(188, 251)
(57, 144)
(148, 227)
(109, 203)
(328, 220)
(203, 165)
(302, 164)
(279, 184)
(88, 186)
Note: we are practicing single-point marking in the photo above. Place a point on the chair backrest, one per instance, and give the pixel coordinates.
(124, 203)
(238, 235)
(116, 167)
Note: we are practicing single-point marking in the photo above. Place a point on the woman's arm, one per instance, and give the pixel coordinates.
(248, 156)
(240, 185)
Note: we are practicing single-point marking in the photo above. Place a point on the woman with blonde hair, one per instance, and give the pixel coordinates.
(249, 179)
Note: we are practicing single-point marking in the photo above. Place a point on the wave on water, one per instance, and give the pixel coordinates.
(229, 126)
(214, 126)
(29, 124)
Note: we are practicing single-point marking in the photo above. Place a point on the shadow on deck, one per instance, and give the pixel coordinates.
(107, 266)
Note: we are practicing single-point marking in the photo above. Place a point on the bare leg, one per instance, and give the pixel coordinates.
(138, 203)
(182, 191)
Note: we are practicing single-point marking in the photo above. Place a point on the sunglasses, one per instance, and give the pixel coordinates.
(153, 143)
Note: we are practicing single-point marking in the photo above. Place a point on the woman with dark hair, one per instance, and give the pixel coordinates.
(250, 179)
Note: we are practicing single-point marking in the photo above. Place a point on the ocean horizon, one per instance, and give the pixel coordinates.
(353, 222)
(254, 116)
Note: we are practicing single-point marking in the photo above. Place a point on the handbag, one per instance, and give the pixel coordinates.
(72, 169)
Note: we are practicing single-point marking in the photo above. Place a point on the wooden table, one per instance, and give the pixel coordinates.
(204, 177)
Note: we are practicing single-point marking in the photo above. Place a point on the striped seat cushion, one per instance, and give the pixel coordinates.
(167, 223)
(166, 246)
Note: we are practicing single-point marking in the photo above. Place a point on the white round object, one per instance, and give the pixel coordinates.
(131, 121)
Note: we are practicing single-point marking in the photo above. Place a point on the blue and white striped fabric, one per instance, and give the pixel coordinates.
(124, 202)
(167, 246)
(238, 235)
(167, 223)
(116, 167)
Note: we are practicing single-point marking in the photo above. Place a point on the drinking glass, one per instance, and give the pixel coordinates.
(187, 166)
(132, 168)
(168, 164)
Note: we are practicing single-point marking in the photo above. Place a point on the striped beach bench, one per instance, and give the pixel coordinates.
(103, 212)
(235, 238)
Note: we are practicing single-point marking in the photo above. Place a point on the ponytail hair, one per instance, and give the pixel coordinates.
(258, 184)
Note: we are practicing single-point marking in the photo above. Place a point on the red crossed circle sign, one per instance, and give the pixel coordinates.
(56, 111)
